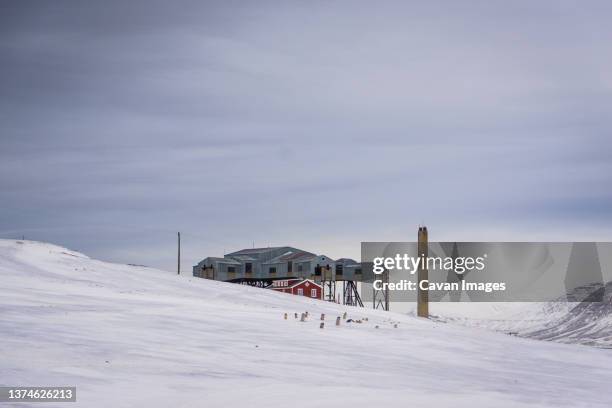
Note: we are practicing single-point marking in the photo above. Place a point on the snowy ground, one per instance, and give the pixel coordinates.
(130, 336)
(587, 323)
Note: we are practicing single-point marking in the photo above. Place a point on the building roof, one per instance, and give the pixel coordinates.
(248, 251)
(293, 256)
(327, 258)
(243, 257)
(267, 256)
(222, 260)
(347, 261)
(296, 255)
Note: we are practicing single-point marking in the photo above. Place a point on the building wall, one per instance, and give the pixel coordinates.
(352, 272)
(222, 269)
(281, 270)
(259, 269)
(306, 287)
(304, 268)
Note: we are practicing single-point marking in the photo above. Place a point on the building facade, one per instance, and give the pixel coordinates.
(299, 287)
(276, 263)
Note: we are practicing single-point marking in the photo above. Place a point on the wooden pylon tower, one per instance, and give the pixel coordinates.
(380, 297)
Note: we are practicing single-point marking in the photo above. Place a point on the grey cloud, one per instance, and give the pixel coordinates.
(319, 124)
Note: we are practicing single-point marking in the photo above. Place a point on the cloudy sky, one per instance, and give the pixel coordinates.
(317, 124)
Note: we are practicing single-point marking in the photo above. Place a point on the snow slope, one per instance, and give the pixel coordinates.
(129, 336)
(587, 323)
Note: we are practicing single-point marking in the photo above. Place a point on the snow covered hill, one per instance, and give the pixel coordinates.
(130, 336)
(587, 323)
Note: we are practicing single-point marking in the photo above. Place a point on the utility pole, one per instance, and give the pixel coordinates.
(178, 267)
(422, 295)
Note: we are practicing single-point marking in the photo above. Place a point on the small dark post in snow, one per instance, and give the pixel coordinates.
(338, 321)
(322, 325)
(344, 316)
(303, 317)
(322, 316)
(285, 316)
(295, 314)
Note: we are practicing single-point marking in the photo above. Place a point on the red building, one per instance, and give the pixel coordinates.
(300, 287)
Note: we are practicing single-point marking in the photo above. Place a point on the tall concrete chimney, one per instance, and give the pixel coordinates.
(422, 295)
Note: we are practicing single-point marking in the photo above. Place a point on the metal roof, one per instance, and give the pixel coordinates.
(223, 260)
(254, 250)
(347, 261)
(244, 257)
(291, 256)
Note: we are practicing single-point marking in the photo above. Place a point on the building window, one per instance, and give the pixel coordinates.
(313, 293)
(272, 269)
(300, 292)
(231, 269)
(248, 267)
(290, 266)
(300, 267)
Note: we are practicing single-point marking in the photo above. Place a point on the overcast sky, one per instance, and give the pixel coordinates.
(312, 124)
